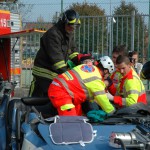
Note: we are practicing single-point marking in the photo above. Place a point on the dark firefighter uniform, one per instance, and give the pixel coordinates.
(56, 47)
(69, 90)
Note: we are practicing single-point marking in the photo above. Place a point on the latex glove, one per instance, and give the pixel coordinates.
(110, 97)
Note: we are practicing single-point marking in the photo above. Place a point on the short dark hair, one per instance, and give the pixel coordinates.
(122, 59)
(131, 53)
(120, 49)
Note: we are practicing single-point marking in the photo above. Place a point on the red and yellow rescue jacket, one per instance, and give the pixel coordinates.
(85, 83)
(130, 90)
(115, 77)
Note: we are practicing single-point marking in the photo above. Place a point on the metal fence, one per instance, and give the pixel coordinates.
(97, 35)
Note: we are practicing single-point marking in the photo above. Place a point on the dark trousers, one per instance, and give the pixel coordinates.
(39, 88)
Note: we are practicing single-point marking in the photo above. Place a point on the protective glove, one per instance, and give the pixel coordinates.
(110, 97)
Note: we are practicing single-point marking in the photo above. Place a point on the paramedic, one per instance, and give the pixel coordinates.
(130, 90)
(69, 90)
(118, 50)
(145, 72)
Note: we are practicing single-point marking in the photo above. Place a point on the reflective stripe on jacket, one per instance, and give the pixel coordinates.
(85, 83)
(115, 77)
(56, 47)
(130, 90)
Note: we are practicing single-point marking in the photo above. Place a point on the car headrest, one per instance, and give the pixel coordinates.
(35, 101)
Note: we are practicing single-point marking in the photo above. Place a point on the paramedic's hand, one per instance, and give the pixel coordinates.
(108, 82)
(110, 97)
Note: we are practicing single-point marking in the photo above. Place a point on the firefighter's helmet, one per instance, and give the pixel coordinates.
(107, 63)
(145, 72)
(71, 17)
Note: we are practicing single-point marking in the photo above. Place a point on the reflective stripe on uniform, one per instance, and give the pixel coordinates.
(132, 92)
(75, 21)
(66, 86)
(99, 93)
(85, 81)
(66, 107)
(81, 82)
(124, 102)
(60, 64)
(91, 79)
(73, 55)
(42, 72)
(142, 91)
(131, 96)
(32, 86)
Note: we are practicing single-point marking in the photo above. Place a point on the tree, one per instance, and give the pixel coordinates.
(122, 29)
(91, 21)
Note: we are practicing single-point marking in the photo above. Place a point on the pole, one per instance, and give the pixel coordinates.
(149, 34)
(132, 30)
(148, 53)
(110, 32)
(61, 6)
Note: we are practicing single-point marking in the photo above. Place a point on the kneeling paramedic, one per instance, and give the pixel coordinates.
(69, 90)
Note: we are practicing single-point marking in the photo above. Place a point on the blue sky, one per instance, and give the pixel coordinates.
(47, 8)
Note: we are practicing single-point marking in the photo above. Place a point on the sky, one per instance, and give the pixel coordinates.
(48, 8)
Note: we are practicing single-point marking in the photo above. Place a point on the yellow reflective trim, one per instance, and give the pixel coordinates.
(73, 55)
(65, 76)
(70, 77)
(60, 64)
(67, 106)
(44, 73)
(43, 70)
(75, 21)
(32, 87)
(79, 21)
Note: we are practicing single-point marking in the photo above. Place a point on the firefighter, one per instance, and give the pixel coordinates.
(145, 72)
(84, 82)
(56, 47)
(130, 90)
